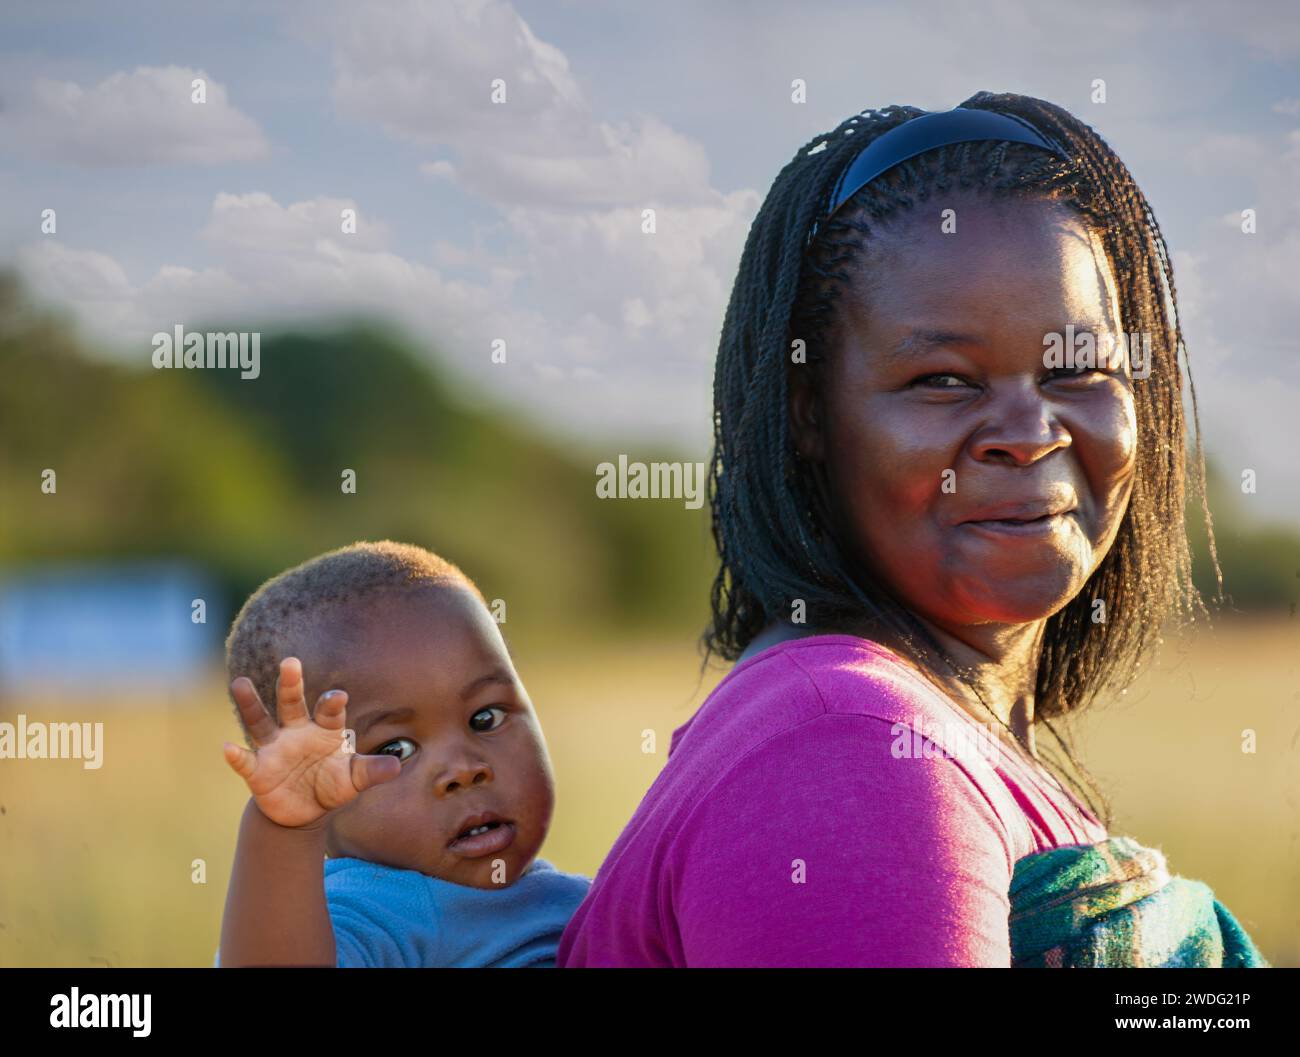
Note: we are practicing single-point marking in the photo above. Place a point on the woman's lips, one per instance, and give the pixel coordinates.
(496, 839)
(1043, 526)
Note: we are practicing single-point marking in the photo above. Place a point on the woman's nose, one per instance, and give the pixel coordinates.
(1022, 427)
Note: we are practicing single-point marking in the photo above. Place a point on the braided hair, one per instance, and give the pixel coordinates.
(772, 510)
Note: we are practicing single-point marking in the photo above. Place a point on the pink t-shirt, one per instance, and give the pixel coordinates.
(825, 806)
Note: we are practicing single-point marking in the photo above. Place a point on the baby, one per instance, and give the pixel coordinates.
(421, 772)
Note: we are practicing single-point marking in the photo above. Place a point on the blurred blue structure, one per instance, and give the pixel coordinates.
(107, 626)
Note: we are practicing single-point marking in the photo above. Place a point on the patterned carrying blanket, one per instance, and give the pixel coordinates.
(1115, 904)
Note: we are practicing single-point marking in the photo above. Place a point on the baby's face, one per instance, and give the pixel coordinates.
(429, 681)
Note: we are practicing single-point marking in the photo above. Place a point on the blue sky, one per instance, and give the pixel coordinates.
(522, 221)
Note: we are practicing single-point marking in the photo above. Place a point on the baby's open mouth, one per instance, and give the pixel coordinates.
(483, 835)
(473, 831)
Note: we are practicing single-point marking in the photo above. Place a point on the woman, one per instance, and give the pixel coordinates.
(936, 534)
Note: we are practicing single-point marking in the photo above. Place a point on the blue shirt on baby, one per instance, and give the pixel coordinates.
(386, 918)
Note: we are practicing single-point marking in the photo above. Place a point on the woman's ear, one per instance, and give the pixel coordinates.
(806, 419)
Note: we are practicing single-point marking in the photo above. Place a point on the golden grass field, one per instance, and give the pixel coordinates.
(95, 866)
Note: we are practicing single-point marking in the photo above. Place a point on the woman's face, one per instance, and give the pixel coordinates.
(938, 419)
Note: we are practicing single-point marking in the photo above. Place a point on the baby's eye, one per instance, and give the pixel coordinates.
(396, 743)
(924, 379)
(474, 720)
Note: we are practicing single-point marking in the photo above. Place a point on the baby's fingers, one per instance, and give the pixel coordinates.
(330, 709)
(372, 770)
(257, 721)
(290, 693)
(243, 762)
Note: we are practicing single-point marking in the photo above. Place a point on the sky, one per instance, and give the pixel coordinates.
(521, 222)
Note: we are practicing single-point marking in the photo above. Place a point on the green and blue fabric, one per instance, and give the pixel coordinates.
(1114, 904)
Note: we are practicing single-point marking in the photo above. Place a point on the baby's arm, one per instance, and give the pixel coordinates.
(275, 906)
(276, 912)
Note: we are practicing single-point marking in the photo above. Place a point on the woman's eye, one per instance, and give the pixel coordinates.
(476, 721)
(398, 744)
(1080, 370)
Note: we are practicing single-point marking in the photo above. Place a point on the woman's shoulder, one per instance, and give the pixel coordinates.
(827, 657)
(848, 697)
(798, 688)
(837, 674)
(902, 715)
(825, 742)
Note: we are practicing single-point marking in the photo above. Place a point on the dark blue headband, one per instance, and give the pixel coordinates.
(959, 125)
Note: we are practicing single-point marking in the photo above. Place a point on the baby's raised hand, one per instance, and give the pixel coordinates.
(302, 768)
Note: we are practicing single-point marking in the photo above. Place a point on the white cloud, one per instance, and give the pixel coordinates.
(92, 284)
(141, 118)
(438, 170)
(275, 264)
(1237, 298)
(255, 224)
(395, 63)
(424, 72)
(628, 319)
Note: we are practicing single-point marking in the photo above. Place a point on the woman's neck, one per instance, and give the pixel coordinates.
(1004, 661)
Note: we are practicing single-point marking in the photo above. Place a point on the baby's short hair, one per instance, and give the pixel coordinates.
(270, 624)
